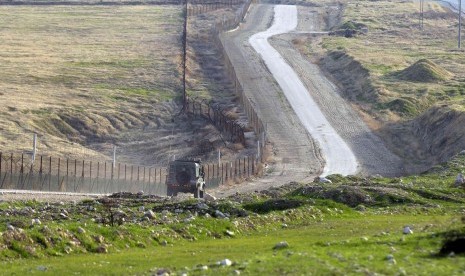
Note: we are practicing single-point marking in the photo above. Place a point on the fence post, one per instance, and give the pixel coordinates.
(226, 173)
(22, 163)
(34, 147)
(112, 173)
(75, 175)
(90, 177)
(240, 171)
(59, 165)
(67, 170)
(50, 175)
(222, 174)
(114, 159)
(248, 166)
(82, 176)
(98, 173)
(150, 174)
(155, 176)
(232, 175)
(105, 177)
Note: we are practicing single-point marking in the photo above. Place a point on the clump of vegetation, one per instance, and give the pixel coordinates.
(454, 241)
(273, 205)
(350, 29)
(405, 105)
(424, 70)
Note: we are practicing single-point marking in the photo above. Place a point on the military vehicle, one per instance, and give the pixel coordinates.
(185, 176)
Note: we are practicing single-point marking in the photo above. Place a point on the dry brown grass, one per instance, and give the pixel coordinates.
(409, 112)
(395, 42)
(84, 73)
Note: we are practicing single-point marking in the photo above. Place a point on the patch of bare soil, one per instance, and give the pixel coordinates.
(349, 72)
(433, 137)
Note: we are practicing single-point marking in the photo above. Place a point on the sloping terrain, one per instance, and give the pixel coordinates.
(409, 225)
(81, 76)
(88, 78)
(406, 82)
(424, 70)
(283, 132)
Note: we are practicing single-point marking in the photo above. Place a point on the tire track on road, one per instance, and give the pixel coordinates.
(295, 156)
(338, 155)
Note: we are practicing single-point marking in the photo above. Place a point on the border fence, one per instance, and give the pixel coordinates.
(20, 172)
(197, 7)
(234, 131)
(80, 176)
(222, 25)
(46, 173)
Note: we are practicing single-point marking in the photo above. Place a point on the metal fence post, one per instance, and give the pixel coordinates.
(98, 173)
(50, 175)
(59, 165)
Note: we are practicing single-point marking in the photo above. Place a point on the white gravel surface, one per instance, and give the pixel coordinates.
(338, 156)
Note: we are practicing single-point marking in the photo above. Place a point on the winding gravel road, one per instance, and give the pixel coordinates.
(339, 157)
(313, 130)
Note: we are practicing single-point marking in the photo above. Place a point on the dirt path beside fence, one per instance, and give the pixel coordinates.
(295, 155)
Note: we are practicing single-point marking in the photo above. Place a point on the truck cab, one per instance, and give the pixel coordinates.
(185, 176)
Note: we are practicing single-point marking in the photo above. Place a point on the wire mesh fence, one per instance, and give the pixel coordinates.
(46, 173)
(82, 176)
(196, 7)
(21, 172)
(216, 115)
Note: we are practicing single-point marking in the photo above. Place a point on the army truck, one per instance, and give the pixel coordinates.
(185, 176)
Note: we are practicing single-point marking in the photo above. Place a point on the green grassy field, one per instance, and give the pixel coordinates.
(353, 226)
(334, 246)
(349, 244)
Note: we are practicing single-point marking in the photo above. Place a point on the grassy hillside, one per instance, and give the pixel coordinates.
(80, 75)
(394, 42)
(351, 226)
(406, 81)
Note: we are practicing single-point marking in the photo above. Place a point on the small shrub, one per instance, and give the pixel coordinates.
(273, 205)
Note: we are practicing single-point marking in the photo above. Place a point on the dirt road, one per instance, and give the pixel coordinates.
(339, 157)
(297, 157)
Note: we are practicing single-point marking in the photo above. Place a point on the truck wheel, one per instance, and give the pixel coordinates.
(170, 191)
(198, 193)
